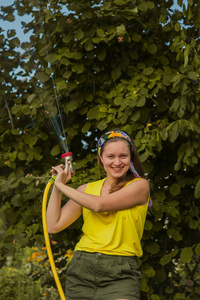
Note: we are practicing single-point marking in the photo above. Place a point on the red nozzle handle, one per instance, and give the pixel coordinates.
(66, 154)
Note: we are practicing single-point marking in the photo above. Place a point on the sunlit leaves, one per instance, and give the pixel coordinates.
(78, 68)
(102, 125)
(16, 108)
(93, 113)
(42, 77)
(86, 127)
(71, 106)
(30, 98)
(30, 140)
(127, 64)
(121, 30)
(55, 150)
(186, 255)
(168, 257)
(61, 85)
(22, 155)
(174, 233)
(79, 34)
(148, 71)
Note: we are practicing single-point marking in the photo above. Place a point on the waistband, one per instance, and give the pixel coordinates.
(103, 255)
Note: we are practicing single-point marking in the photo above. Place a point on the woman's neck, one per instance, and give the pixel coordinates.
(108, 182)
(106, 187)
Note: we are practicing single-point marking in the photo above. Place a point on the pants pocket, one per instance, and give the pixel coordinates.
(133, 267)
(75, 264)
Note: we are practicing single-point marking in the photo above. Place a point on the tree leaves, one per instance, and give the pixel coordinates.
(121, 30)
(42, 77)
(186, 255)
(61, 85)
(197, 190)
(148, 71)
(16, 108)
(118, 64)
(152, 48)
(101, 55)
(168, 257)
(30, 140)
(55, 150)
(79, 34)
(86, 127)
(78, 68)
(30, 98)
(152, 247)
(175, 189)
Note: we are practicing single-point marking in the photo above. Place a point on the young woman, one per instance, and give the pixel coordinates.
(104, 265)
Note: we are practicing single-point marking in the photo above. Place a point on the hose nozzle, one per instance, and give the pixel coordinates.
(68, 156)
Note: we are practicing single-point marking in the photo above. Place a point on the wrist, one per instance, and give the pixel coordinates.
(58, 185)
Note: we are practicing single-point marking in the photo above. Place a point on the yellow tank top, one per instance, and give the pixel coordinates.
(114, 232)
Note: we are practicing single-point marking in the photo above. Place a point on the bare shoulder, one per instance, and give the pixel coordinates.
(140, 190)
(141, 183)
(82, 187)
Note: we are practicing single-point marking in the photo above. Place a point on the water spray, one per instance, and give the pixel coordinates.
(67, 157)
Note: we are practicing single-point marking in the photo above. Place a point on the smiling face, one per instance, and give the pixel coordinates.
(116, 158)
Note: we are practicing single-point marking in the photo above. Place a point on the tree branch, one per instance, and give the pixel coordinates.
(9, 113)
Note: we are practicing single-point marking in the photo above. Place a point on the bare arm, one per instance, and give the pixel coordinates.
(136, 193)
(59, 218)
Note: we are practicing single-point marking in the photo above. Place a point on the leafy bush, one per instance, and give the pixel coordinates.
(14, 285)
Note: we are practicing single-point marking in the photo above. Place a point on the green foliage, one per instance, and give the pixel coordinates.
(15, 285)
(24, 275)
(128, 64)
(15, 279)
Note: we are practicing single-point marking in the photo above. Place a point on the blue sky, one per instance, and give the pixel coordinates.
(17, 23)
(5, 25)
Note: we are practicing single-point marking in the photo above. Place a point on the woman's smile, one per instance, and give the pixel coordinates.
(117, 168)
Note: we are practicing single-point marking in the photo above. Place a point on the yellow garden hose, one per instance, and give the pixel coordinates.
(67, 157)
(47, 241)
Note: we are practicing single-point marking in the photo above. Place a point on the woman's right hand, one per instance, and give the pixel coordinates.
(62, 175)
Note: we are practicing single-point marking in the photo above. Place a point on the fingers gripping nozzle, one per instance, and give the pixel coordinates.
(68, 156)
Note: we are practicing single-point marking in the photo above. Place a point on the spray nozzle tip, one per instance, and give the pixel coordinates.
(66, 154)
